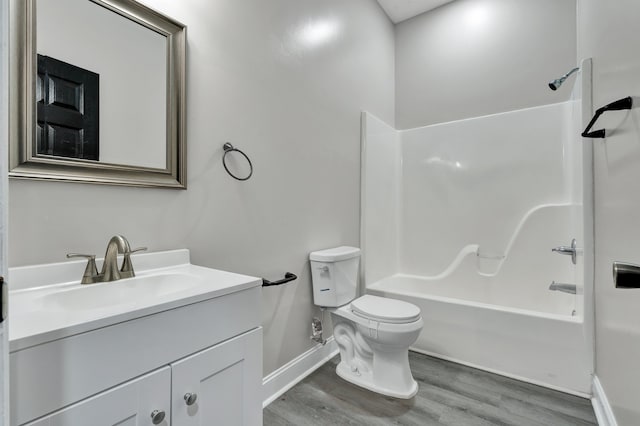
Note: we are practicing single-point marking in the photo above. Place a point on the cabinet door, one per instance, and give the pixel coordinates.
(130, 404)
(227, 379)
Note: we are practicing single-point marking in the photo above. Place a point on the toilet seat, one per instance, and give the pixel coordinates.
(384, 310)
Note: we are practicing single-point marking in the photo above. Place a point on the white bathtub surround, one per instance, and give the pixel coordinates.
(601, 406)
(519, 279)
(380, 192)
(582, 96)
(469, 223)
(474, 181)
(538, 347)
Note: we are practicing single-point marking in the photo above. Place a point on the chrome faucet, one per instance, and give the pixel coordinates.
(110, 272)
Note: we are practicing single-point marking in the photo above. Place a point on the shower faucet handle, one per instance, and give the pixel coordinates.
(569, 251)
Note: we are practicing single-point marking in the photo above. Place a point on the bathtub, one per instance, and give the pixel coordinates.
(469, 325)
(460, 219)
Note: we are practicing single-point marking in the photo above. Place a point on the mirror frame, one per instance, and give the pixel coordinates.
(23, 161)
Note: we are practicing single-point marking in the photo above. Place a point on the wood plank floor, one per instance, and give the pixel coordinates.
(450, 394)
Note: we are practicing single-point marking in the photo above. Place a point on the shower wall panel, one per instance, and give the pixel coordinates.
(471, 182)
(380, 197)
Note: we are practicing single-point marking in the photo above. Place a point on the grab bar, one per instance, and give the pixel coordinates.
(565, 288)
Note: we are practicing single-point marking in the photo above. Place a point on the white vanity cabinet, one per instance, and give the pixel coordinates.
(76, 360)
(216, 386)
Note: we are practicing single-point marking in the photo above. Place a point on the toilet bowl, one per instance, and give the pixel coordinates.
(373, 333)
(374, 353)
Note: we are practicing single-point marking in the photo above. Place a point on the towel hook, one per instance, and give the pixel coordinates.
(229, 148)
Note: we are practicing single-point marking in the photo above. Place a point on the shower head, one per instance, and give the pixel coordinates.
(555, 84)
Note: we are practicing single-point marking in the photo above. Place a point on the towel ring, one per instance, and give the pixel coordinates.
(229, 148)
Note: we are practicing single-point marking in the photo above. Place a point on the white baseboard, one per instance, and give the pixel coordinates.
(285, 377)
(601, 406)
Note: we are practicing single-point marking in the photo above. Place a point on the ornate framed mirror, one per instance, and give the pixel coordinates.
(97, 93)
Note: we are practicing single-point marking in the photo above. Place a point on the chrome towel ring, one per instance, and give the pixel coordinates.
(229, 148)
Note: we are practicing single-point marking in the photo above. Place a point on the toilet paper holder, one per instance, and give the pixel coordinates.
(287, 277)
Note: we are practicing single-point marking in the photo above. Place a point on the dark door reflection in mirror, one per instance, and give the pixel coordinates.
(132, 62)
(105, 102)
(67, 99)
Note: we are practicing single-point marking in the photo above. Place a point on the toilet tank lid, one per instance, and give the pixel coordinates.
(385, 310)
(335, 254)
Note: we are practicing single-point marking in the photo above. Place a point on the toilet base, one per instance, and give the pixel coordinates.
(365, 380)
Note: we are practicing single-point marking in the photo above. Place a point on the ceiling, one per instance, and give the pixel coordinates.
(399, 10)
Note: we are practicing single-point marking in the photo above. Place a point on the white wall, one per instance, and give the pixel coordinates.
(131, 61)
(475, 57)
(608, 32)
(283, 80)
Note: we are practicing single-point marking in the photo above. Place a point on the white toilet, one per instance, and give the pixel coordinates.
(373, 333)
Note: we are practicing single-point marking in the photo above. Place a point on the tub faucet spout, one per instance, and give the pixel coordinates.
(565, 288)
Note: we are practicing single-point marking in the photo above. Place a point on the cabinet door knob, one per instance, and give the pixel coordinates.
(190, 398)
(157, 416)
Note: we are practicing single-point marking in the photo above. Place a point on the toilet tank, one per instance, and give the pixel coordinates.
(335, 275)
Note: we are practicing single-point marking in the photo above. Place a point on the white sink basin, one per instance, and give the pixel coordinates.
(47, 302)
(128, 291)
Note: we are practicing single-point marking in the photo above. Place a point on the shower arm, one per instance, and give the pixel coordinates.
(620, 104)
(576, 69)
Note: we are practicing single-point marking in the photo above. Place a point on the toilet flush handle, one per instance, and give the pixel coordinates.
(324, 268)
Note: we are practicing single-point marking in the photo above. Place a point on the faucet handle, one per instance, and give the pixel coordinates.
(87, 256)
(91, 271)
(135, 250)
(127, 266)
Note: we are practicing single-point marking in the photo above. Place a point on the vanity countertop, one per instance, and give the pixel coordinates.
(47, 302)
